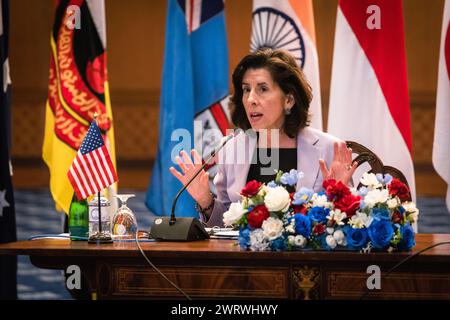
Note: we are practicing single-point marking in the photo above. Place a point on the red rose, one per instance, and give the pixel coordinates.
(328, 182)
(348, 204)
(256, 217)
(335, 190)
(397, 217)
(319, 228)
(300, 209)
(399, 189)
(251, 189)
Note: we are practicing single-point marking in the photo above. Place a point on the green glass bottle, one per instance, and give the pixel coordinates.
(79, 219)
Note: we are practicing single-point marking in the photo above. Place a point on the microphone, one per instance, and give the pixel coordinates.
(184, 229)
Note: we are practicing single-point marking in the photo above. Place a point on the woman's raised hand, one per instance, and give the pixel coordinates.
(342, 167)
(199, 188)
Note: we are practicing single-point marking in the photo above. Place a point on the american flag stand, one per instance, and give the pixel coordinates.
(100, 237)
(92, 171)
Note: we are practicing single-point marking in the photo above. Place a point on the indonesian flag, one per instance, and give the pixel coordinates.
(369, 100)
(441, 145)
(289, 25)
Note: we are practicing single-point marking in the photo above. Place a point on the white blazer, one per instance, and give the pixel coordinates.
(235, 160)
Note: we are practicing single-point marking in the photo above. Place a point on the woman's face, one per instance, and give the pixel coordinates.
(263, 100)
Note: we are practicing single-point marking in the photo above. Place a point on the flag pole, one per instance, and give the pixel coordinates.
(99, 214)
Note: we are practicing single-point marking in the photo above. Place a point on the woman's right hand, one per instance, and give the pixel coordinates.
(199, 187)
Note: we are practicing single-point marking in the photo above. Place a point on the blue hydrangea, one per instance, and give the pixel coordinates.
(363, 191)
(318, 214)
(244, 238)
(386, 179)
(279, 244)
(380, 233)
(290, 178)
(362, 204)
(272, 184)
(302, 196)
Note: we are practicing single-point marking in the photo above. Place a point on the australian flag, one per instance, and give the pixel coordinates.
(195, 76)
(8, 265)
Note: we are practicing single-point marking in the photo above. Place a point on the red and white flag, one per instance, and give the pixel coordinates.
(369, 100)
(289, 25)
(441, 145)
(92, 169)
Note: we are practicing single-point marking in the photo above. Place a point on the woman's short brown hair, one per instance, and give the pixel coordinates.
(288, 76)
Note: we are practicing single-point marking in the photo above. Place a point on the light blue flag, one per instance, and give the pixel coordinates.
(195, 76)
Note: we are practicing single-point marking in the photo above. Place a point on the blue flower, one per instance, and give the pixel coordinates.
(290, 178)
(362, 204)
(279, 244)
(244, 238)
(302, 196)
(380, 214)
(318, 214)
(363, 191)
(302, 225)
(407, 241)
(356, 238)
(380, 233)
(386, 179)
(272, 184)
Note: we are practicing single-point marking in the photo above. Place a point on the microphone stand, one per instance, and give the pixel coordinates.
(212, 155)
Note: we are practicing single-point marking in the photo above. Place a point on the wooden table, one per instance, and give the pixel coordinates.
(219, 269)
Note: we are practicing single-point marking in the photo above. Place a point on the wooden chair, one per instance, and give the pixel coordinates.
(366, 155)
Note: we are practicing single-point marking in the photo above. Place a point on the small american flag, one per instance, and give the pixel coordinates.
(92, 169)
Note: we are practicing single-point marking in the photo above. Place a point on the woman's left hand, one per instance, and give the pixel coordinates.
(342, 167)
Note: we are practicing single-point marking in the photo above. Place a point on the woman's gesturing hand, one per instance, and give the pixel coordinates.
(342, 167)
(199, 188)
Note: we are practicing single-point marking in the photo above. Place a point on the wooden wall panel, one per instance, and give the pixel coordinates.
(135, 41)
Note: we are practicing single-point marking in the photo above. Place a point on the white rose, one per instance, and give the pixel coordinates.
(330, 230)
(331, 242)
(277, 199)
(272, 228)
(393, 203)
(370, 180)
(233, 214)
(339, 236)
(299, 241)
(376, 196)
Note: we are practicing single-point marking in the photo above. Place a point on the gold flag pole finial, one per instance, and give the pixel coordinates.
(95, 116)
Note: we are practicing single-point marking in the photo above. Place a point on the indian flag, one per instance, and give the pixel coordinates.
(289, 25)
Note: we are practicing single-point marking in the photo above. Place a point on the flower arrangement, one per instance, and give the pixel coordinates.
(376, 216)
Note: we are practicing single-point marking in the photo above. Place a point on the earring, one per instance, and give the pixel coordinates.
(287, 111)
